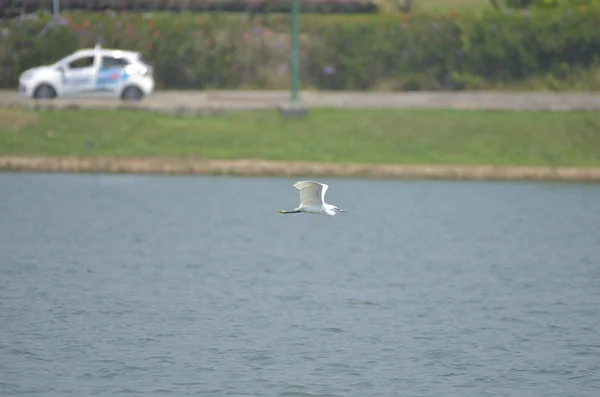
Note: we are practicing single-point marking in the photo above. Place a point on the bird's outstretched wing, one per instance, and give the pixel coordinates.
(311, 193)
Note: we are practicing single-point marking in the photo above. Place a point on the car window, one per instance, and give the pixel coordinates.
(83, 62)
(112, 62)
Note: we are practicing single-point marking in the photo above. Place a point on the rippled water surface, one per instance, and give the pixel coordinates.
(120, 285)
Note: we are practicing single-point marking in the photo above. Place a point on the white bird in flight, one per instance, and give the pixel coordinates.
(312, 200)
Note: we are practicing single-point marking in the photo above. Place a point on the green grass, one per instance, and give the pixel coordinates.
(329, 135)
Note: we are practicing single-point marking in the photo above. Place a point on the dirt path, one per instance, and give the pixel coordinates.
(193, 102)
(163, 165)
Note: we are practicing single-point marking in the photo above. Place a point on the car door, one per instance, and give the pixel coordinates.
(78, 76)
(110, 74)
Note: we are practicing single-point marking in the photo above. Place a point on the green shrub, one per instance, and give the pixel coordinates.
(32, 42)
(361, 52)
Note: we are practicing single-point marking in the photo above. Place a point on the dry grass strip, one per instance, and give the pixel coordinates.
(256, 167)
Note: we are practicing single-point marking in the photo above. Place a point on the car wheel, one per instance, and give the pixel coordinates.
(132, 94)
(44, 91)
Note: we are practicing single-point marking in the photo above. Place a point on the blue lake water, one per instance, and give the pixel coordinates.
(192, 285)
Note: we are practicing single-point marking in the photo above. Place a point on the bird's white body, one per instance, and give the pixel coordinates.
(312, 199)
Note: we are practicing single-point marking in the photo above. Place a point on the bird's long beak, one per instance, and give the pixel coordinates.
(341, 210)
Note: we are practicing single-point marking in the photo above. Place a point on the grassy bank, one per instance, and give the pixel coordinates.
(387, 136)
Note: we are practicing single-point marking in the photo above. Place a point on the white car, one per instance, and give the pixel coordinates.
(94, 72)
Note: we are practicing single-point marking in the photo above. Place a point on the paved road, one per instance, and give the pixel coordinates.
(201, 101)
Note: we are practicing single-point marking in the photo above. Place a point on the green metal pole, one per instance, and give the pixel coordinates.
(295, 51)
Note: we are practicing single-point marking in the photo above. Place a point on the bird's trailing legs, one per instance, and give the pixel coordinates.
(289, 212)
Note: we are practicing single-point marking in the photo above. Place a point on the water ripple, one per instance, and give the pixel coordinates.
(127, 285)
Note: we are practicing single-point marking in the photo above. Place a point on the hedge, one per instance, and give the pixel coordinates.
(11, 8)
(360, 52)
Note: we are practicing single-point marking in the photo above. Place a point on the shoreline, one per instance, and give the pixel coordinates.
(258, 167)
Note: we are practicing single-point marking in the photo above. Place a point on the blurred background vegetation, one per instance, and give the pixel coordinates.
(391, 45)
